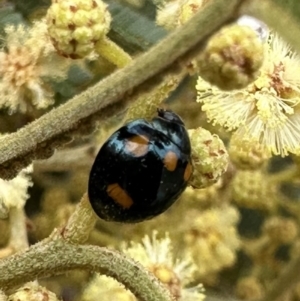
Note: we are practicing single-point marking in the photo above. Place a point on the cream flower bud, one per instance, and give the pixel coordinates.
(212, 239)
(281, 230)
(247, 155)
(210, 158)
(76, 25)
(252, 189)
(232, 58)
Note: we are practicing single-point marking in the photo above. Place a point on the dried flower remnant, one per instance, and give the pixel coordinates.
(212, 239)
(156, 255)
(26, 59)
(267, 110)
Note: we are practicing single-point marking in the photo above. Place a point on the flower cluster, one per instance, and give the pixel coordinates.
(76, 25)
(210, 158)
(157, 256)
(212, 239)
(253, 189)
(267, 110)
(232, 57)
(26, 60)
(14, 192)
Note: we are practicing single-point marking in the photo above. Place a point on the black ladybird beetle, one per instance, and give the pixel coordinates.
(141, 169)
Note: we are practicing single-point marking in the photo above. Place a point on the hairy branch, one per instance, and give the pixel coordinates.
(55, 257)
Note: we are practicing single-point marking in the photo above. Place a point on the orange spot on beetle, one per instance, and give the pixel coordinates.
(170, 161)
(119, 195)
(137, 145)
(188, 172)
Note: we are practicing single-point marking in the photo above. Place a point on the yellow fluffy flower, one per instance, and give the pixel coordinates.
(267, 110)
(32, 291)
(106, 289)
(157, 256)
(212, 239)
(14, 192)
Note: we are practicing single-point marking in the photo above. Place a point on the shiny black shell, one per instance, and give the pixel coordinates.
(141, 169)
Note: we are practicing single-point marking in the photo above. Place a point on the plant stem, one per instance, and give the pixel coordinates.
(18, 233)
(81, 222)
(57, 256)
(107, 97)
(112, 52)
(147, 102)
